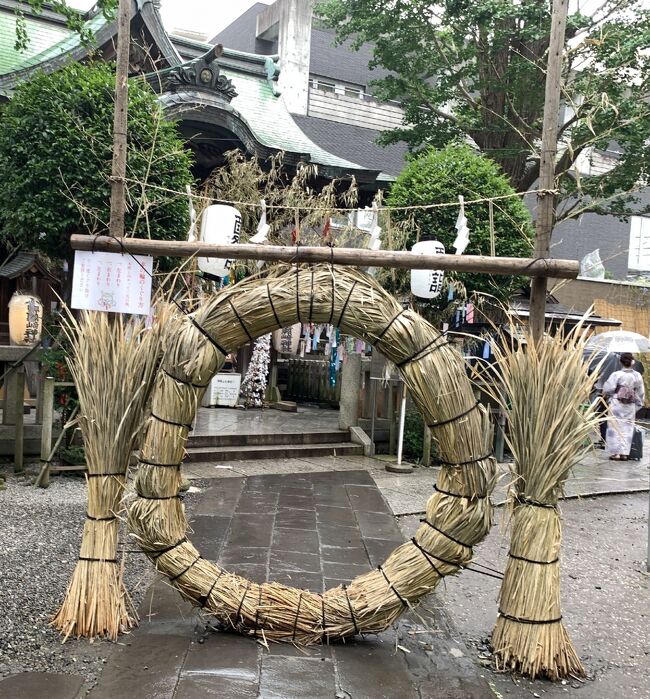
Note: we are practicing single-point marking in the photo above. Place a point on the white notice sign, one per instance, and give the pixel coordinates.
(110, 281)
(223, 390)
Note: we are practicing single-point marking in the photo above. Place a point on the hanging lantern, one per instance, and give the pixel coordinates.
(25, 319)
(286, 340)
(220, 225)
(427, 283)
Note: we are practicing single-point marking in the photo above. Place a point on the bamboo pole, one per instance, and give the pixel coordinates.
(545, 198)
(118, 173)
(559, 269)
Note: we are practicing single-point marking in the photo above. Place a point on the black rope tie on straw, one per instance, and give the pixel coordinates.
(521, 620)
(101, 519)
(187, 383)
(256, 625)
(172, 422)
(457, 417)
(530, 560)
(159, 552)
(388, 327)
(354, 621)
(427, 555)
(103, 475)
(275, 313)
(206, 334)
(311, 296)
(464, 463)
(203, 599)
(392, 587)
(97, 560)
(458, 495)
(160, 497)
(196, 560)
(155, 463)
(241, 604)
(432, 346)
(295, 621)
(345, 305)
(424, 520)
(239, 318)
(522, 500)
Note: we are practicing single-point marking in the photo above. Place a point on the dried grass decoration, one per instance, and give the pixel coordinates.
(545, 394)
(113, 363)
(458, 514)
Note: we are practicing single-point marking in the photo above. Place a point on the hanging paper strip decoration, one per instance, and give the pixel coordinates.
(462, 237)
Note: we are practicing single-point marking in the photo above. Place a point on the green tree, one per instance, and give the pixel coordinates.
(438, 176)
(463, 68)
(55, 155)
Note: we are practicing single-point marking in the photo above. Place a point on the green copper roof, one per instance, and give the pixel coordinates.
(53, 41)
(42, 36)
(268, 118)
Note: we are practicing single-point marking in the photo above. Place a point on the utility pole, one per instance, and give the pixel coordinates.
(546, 199)
(118, 174)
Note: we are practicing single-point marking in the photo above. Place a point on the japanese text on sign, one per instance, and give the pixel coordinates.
(107, 281)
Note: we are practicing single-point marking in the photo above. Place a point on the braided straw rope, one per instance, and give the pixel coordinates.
(458, 513)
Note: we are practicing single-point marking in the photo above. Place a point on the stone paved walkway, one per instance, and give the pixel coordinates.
(312, 522)
(315, 531)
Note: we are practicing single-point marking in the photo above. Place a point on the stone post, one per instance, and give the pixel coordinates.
(350, 391)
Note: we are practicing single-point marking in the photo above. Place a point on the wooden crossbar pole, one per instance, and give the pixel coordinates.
(516, 266)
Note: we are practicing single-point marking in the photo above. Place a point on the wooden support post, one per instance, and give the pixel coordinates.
(559, 269)
(47, 388)
(426, 446)
(19, 455)
(392, 431)
(546, 198)
(118, 174)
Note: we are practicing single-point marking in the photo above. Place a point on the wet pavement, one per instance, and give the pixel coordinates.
(311, 531)
(241, 421)
(315, 522)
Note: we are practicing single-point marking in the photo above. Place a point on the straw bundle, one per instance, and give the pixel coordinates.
(458, 513)
(113, 363)
(545, 395)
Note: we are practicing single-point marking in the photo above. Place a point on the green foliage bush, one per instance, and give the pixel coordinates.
(413, 436)
(56, 155)
(440, 176)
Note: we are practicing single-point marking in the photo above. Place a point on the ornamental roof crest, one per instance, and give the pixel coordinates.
(202, 73)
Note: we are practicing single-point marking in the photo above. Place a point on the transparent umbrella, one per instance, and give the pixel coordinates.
(620, 341)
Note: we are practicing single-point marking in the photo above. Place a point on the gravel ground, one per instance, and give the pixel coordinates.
(605, 599)
(40, 531)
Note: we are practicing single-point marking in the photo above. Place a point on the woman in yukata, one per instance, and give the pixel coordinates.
(624, 389)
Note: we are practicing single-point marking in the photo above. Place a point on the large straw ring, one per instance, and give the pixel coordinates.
(459, 510)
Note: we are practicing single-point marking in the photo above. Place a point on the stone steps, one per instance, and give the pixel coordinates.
(272, 451)
(267, 439)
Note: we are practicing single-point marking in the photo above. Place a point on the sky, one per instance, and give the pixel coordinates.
(205, 16)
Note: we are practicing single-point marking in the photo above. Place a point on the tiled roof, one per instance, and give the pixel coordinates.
(267, 118)
(354, 142)
(42, 35)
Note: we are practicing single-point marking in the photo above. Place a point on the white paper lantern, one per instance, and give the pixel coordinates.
(286, 340)
(427, 283)
(25, 319)
(220, 225)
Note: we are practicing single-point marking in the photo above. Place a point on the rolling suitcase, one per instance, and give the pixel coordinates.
(636, 451)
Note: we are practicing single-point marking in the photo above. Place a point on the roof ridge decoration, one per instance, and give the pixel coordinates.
(202, 73)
